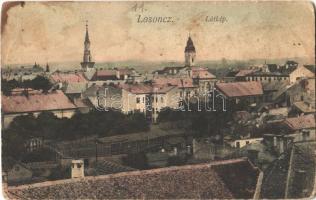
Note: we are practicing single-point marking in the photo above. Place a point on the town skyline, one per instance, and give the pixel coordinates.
(64, 42)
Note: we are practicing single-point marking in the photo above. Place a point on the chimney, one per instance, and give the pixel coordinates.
(77, 169)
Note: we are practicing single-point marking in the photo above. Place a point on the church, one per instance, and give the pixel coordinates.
(87, 63)
(203, 80)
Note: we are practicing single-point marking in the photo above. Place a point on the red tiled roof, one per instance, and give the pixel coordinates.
(105, 73)
(179, 82)
(36, 101)
(137, 88)
(229, 179)
(202, 73)
(301, 122)
(112, 72)
(68, 77)
(239, 89)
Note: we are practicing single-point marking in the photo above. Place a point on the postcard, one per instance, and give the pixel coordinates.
(158, 100)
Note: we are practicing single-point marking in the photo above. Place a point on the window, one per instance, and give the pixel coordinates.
(156, 99)
(247, 142)
(143, 99)
(137, 100)
(238, 144)
(161, 99)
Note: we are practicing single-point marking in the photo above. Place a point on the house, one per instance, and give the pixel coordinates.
(186, 85)
(228, 179)
(149, 99)
(302, 71)
(241, 74)
(235, 92)
(294, 129)
(203, 78)
(268, 73)
(271, 89)
(104, 97)
(303, 127)
(23, 102)
(61, 78)
(303, 90)
(17, 172)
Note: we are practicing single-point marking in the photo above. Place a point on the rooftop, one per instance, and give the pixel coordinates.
(36, 101)
(236, 178)
(174, 81)
(68, 77)
(202, 73)
(239, 89)
(301, 122)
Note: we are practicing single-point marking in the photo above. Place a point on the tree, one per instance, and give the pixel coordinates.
(8, 86)
(41, 83)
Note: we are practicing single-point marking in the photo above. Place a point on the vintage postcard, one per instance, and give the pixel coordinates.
(158, 100)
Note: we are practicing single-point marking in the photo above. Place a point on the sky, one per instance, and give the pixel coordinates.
(54, 31)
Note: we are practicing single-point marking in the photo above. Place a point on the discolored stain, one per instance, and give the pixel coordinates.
(6, 6)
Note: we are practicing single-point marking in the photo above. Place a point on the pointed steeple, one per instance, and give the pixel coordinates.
(190, 46)
(87, 60)
(47, 67)
(87, 33)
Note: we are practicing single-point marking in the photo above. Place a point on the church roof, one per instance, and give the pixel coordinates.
(190, 46)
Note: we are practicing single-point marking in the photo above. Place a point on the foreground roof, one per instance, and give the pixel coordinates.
(36, 101)
(228, 179)
(239, 89)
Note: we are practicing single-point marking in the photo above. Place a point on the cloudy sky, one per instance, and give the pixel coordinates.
(54, 31)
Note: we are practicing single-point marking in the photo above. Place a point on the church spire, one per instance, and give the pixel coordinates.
(87, 60)
(189, 53)
(87, 33)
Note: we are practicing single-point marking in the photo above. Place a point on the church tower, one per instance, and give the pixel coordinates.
(189, 53)
(87, 63)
